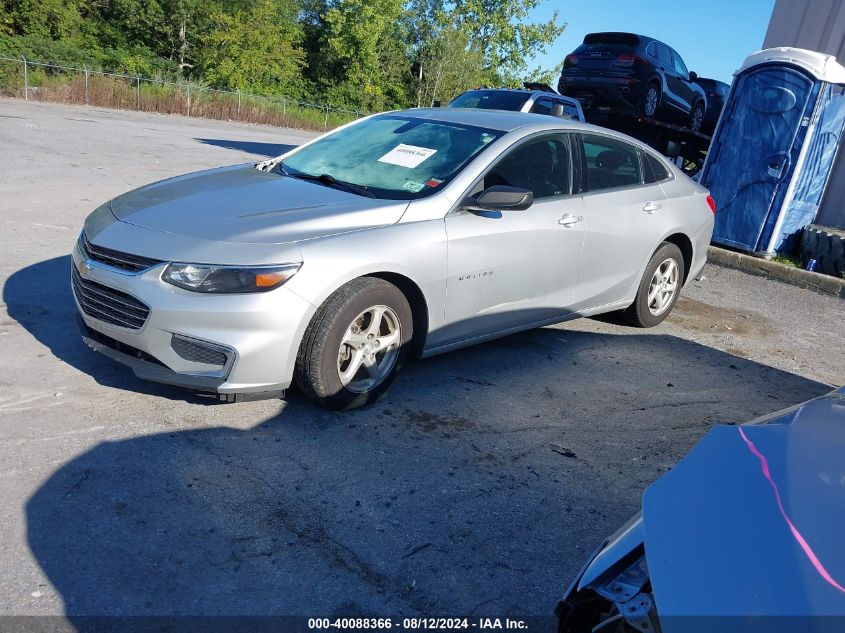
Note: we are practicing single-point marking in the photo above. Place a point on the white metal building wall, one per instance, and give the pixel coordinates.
(817, 25)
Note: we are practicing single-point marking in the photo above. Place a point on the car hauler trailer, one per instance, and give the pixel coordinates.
(673, 141)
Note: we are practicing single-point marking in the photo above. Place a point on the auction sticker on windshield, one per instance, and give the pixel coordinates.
(407, 155)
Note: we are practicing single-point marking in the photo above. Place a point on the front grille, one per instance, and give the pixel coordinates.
(197, 352)
(115, 259)
(107, 304)
(118, 346)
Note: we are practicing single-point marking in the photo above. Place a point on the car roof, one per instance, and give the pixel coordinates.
(504, 120)
(500, 120)
(520, 90)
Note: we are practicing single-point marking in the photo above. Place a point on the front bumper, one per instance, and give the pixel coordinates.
(226, 344)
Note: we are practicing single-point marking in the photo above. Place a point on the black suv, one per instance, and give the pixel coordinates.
(717, 94)
(628, 74)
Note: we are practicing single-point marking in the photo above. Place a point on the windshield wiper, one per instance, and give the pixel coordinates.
(331, 181)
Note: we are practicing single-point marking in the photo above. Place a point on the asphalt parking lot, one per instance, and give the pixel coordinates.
(476, 487)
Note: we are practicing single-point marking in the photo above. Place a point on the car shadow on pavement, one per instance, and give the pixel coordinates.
(39, 297)
(477, 486)
(249, 147)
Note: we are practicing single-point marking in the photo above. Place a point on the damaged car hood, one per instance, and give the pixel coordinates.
(751, 521)
(245, 205)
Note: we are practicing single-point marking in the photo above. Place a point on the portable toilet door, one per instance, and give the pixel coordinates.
(761, 141)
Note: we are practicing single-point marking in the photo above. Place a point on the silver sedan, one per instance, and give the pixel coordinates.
(403, 234)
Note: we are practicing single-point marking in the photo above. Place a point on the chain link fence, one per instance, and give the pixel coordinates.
(39, 81)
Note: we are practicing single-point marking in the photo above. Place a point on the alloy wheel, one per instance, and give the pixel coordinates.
(651, 98)
(369, 349)
(697, 118)
(663, 287)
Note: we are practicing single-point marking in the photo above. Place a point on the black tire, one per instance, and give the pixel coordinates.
(317, 364)
(696, 117)
(639, 313)
(827, 246)
(646, 103)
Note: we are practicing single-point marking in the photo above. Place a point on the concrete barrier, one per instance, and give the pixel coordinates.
(781, 272)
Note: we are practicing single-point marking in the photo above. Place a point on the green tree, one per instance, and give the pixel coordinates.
(126, 25)
(256, 49)
(7, 24)
(366, 54)
(356, 31)
(502, 30)
(185, 23)
(448, 64)
(544, 75)
(54, 19)
(395, 66)
(462, 44)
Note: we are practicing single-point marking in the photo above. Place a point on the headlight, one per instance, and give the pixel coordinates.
(228, 279)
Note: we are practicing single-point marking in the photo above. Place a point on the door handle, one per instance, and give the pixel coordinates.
(652, 207)
(569, 219)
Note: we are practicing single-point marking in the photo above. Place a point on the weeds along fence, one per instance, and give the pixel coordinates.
(39, 81)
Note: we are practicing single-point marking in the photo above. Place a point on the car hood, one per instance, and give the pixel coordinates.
(750, 522)
(244, 205)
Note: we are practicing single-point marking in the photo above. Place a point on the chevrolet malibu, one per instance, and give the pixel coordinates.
(402, 234)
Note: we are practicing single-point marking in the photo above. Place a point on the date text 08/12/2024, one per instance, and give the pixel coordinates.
(413, 624)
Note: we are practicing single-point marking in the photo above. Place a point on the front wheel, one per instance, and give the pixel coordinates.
(659, 288)
(356, 342)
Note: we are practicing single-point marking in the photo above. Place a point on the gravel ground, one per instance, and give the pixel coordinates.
(477, 486)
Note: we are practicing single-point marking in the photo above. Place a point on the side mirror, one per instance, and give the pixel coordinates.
(693, 76)
(558, 111)
(436, 103)
(501, 198)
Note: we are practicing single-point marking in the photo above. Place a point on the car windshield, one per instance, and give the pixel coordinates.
(490, 100)
(390, 156)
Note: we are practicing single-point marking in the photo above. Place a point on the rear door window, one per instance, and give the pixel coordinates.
(569, 109)
(542, 106)
(653, 169)
(610, 163)
(680, 67)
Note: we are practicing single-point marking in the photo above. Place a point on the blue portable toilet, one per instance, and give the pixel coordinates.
(773, 149)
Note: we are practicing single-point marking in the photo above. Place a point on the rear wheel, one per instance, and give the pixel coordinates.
(659, 287)
(651, 100)
(355, 344)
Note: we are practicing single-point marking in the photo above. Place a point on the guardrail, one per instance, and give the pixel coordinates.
(42, 81)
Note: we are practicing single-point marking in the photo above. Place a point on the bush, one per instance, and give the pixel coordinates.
(11, 78)
(46, 50)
